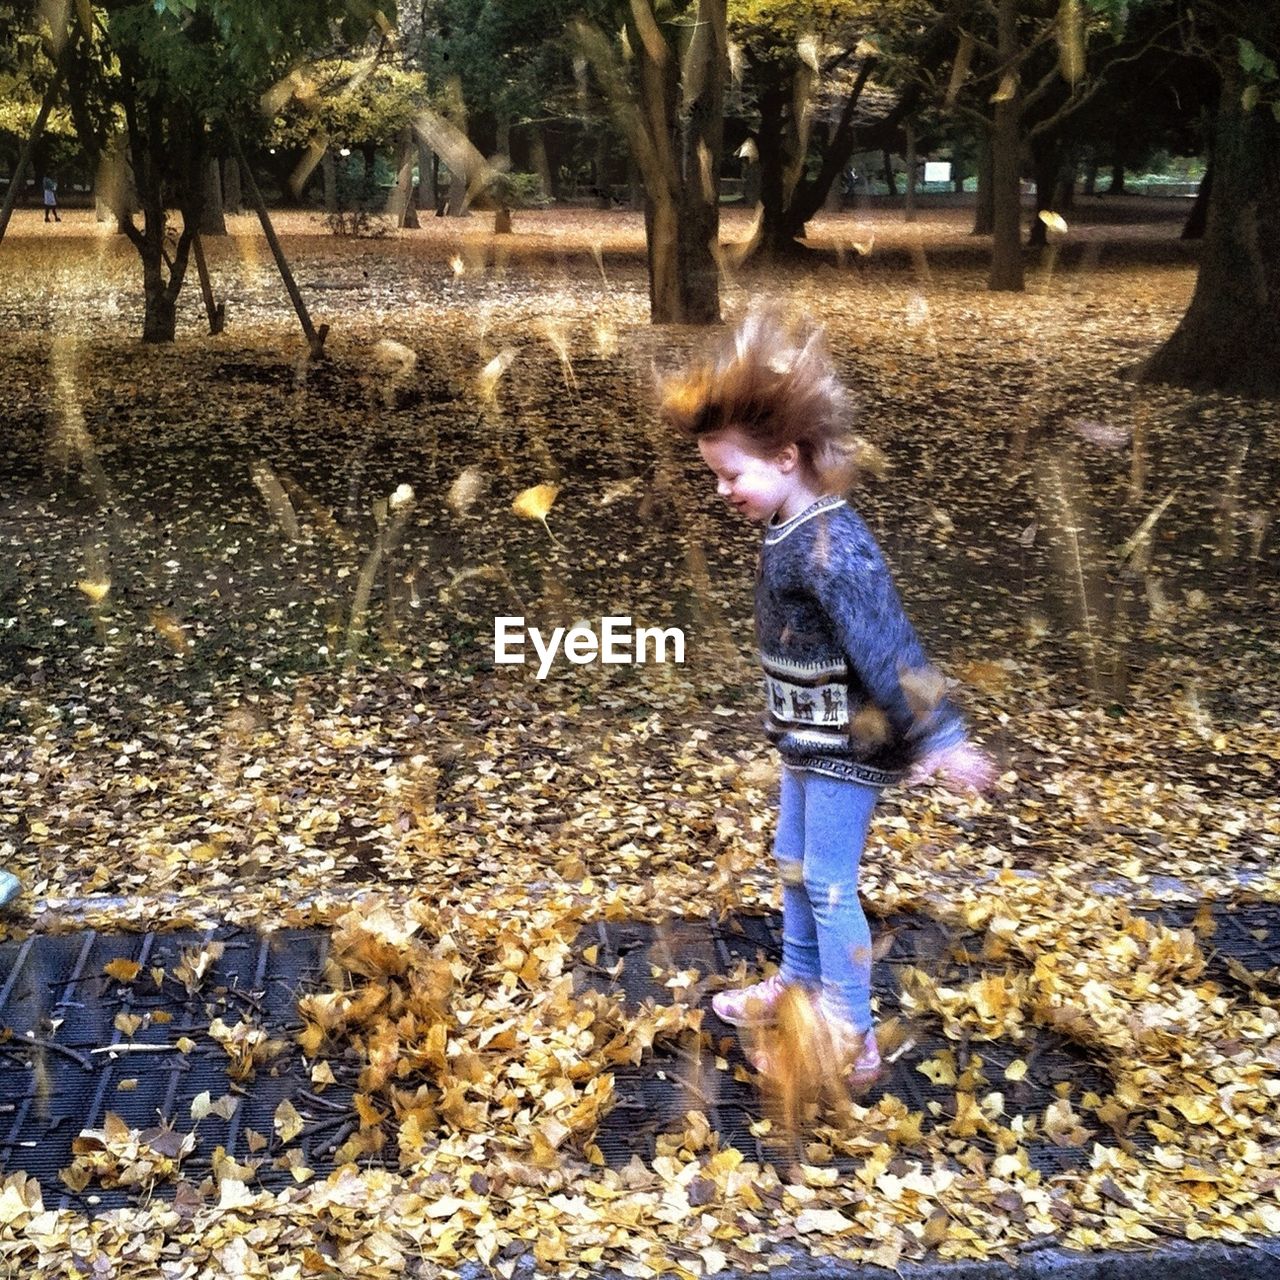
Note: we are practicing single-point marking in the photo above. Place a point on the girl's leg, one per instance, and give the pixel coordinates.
(837, 816)
(756, 1005)
(800, 955)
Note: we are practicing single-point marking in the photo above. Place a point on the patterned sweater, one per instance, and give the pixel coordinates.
(849, 690)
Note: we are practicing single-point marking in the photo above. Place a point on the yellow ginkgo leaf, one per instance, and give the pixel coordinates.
(127, 1023)
(288, 1122)
(96, 590)
(534, 503)
(122, 970)
(491, 374)
(1008, 88)
(1055, 222)
(171, 630)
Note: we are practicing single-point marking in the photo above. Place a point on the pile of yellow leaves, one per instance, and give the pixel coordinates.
(469, 1024)
(118, 1156)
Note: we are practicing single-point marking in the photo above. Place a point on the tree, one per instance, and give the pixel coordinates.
(176, 73)
(795, 51)
(31, 129)
(672, 114)
(501, 71)
(343, 104)
(1229, 338)
(1022, 67)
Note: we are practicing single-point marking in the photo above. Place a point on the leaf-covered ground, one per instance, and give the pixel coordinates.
(247, 676)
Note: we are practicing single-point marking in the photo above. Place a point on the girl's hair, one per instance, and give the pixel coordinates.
(776, 383)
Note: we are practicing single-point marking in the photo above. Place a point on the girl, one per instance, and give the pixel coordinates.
(851, 701)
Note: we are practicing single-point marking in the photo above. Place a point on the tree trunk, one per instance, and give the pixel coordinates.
(457, 207)
(804, 196)
(1006, 239)
(212, 221)
(600, 167)
(1091, 174)
(1117, 180)
(114, 186)
(677, 138)
(674, 124)
(984, 213)
(232, 200)
(538, 158)
(107, 193)
(1229, 339)
(890, 179)
(1047, 160)
(426, 185)
(661, 230)
(774, 95)
(329, 172)
(702, 151)
(160, 319)
(833, 200)
(1064, 197)
(1198, 218)
(909, 201)
(160, 295)
(400, 199)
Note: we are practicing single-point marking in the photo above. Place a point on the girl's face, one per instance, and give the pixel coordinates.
(756, 486)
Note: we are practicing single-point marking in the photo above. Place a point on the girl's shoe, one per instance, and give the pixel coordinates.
(846, 1051)
(754, 1006)
(862, 1054)
(10, 886)
(856, 1051)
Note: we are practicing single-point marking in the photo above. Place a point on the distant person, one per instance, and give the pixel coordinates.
(51, 198)
(852, 702)
(9, 887)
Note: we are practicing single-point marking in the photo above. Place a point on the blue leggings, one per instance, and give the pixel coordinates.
(822, 828)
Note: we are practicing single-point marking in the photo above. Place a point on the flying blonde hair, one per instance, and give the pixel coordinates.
(775, 382)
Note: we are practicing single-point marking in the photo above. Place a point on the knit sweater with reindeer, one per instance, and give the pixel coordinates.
(849, 691)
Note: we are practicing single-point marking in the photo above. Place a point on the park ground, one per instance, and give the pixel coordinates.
(247, 678)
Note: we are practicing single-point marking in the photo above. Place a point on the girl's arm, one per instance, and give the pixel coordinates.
(859, 599)
(962, 765)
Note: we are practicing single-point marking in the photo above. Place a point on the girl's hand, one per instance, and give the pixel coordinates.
(962, 764)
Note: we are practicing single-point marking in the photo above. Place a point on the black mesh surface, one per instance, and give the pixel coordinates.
(1242, 945)
(63, 1059)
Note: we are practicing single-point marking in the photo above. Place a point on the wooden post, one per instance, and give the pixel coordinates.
(909, 204)
(216, 311)
(315, 337)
